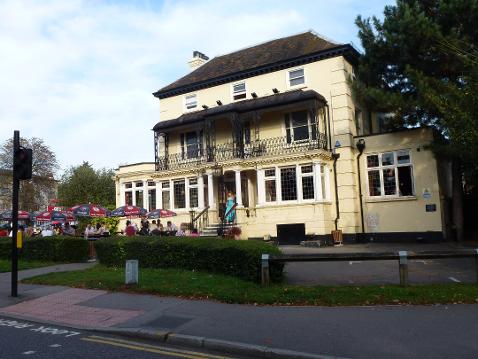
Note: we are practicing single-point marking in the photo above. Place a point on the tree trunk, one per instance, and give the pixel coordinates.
(457, 201)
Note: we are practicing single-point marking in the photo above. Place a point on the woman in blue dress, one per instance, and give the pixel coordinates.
(230, 207)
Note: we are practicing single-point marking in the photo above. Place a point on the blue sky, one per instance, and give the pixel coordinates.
(80, 74)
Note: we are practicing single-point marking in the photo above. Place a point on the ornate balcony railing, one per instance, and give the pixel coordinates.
(275, 146)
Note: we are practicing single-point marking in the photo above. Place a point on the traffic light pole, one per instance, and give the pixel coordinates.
(16, 185)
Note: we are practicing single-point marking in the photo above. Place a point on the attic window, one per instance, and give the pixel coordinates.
(296, 77)
(239, 91)
(191, 102)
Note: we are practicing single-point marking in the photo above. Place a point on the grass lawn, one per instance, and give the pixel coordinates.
(189, 284)
(6, 265)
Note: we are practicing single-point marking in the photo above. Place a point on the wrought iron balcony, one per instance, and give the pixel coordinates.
(275, 146)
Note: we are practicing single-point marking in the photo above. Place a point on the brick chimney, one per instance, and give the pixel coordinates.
(198, 60)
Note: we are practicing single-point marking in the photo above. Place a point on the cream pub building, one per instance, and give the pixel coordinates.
(277, 125)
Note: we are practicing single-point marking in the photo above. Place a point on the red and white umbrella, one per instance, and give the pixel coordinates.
(8, 215)
(48, 216)
(161, 213)
(128, 211)
(89, 210)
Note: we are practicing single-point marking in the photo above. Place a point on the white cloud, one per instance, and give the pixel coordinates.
(80, 74)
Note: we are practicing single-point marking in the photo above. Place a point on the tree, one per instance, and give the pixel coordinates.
(84, 184)
(419, 64)
(34, 194)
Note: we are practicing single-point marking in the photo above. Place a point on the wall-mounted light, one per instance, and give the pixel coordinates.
(205, 107)
(361, 145)
(275, 90)
(219, 102)
(254, 95)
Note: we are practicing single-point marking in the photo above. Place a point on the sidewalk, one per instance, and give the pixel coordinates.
(354, 332)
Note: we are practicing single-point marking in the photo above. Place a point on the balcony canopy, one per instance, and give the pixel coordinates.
(256, 104)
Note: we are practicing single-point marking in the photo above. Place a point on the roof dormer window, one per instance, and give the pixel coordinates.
(296, 77)
(191, 102)
(239, 91)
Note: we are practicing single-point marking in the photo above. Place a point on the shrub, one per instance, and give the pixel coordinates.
(237, 258)
(57, 249)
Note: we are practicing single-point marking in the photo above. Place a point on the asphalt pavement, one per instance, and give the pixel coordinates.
(27, 339)
(439, 331)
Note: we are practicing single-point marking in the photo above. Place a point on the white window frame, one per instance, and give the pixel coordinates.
(186, 194)
(319, 169)
(185, 102)
(288, 78)
(200, 146)
(270, 178)
(233, 93)
(279, 194)
(301, 176)
(163, 191)
(309, 128)
(395, 166)
(189, 186)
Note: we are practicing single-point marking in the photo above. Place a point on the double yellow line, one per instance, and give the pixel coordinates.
(151, 348)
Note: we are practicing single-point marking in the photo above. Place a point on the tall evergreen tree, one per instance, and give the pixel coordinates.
(419, 63)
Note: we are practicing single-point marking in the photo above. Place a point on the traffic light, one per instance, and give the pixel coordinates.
(22, 163)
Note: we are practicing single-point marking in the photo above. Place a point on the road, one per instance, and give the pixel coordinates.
(26, 339)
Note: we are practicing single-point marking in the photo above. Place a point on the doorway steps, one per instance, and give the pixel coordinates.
(212, 229)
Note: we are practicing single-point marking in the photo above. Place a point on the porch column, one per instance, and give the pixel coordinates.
(210, 191)
(201, 191)
(261, 188)
(145, 195)
(238, 188)
(122, 199)
(133, 193)
(159, 195)
(318, 182)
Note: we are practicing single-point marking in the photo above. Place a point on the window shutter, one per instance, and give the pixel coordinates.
(287, 128)
(182, 146)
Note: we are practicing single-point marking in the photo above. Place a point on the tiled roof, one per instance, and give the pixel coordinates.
(263, 57)
(285, 98)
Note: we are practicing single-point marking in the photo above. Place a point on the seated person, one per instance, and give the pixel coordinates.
(89, 231)
(171, 228)
(182, 230)
(47, 232)
(157, 228)
(68, 230)
(130, 229)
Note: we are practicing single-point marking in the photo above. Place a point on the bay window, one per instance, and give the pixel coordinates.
(297, 183)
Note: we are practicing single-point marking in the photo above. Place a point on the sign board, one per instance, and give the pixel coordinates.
(431, 207)
(427, 194)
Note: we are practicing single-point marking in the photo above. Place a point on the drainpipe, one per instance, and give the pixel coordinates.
(336, 156)
(361, 147)
(329, 139)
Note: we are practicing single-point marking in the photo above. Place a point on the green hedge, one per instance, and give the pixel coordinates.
(237, 258)
(57, 249)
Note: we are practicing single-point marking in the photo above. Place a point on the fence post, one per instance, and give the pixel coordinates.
(265, 270)
(476, 263)
(403, 268)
